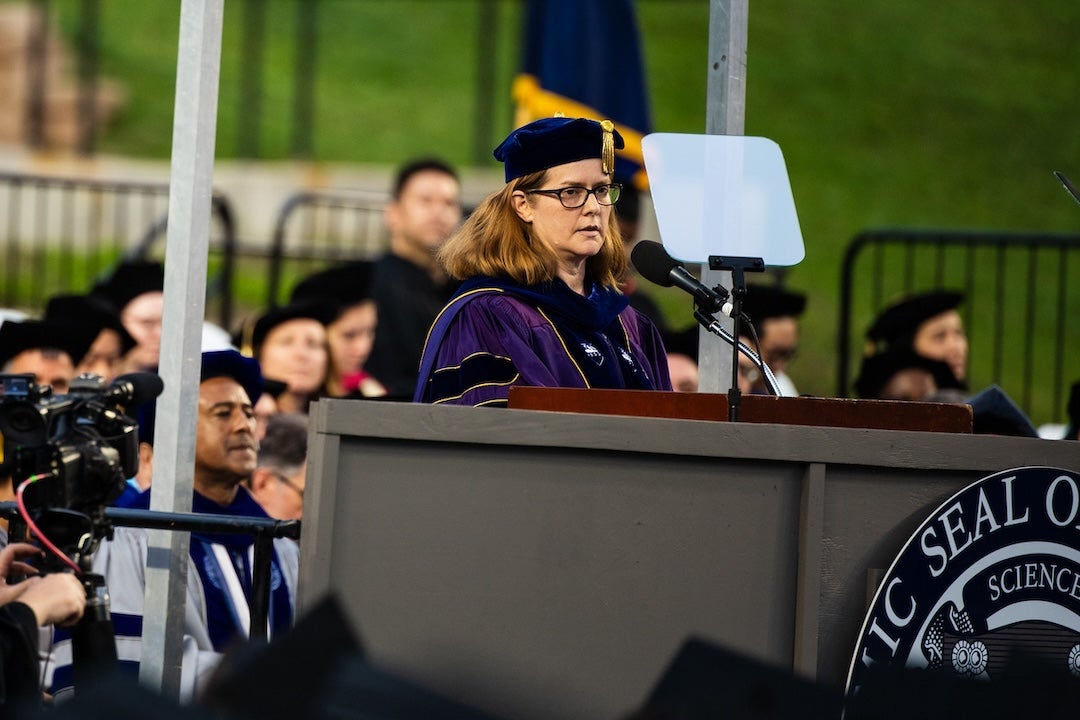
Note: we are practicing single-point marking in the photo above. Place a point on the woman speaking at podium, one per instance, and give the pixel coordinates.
(540, 303)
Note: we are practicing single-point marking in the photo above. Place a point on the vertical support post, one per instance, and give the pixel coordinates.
(486, 27)
(249, 113)
(307, 48)
(89, 31)
(725, 107)
(194, 126)
(36, 65)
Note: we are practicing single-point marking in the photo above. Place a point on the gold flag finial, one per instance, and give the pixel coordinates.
(607, 149)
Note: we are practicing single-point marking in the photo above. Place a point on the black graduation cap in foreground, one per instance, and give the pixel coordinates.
(18, 337)
(319, 670)
(706, 680)
(995, 413)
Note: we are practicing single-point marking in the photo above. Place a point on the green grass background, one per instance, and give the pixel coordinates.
(912, 114)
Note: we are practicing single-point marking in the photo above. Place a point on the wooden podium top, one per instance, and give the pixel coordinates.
(826, 412)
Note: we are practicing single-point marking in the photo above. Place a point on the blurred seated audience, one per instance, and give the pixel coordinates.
(410, 286)
(350, 332)
(135, 289)
(279, 480)
(902, 374)
(47, 350)
(928, 324)
(682, 358)
(106, 355)
(290, 344)
(775, 312)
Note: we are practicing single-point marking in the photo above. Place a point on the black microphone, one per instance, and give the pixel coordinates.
(134, 389)
(655, 265)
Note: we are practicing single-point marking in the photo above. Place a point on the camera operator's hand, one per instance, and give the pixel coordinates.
(11, 563)
(56, 599)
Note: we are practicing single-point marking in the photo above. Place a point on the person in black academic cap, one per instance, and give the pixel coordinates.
(901, 374)
(48, 350)
(106, 355)
(290, 344)
(350, 333)
(540, 261)
(682, 358)
(136, 289)
(927, 323)
(775, 312)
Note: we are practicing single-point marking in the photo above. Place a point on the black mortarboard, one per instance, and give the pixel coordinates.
(897, 324)
(231, 364)
(708, 681)
(548, 142)
(877, 370)
(683, 342)
(17, 337)
(129, 280)
(341, 286)
(90, 310)
(762, 302)
(312, 309)
(114, 695)
(995, 413)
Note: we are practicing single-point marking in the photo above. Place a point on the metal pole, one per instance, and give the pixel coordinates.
(249, 113)
(486, 26)
(188, 237)
(36, 62)
(307, 47)
(89, 30)
(725, 108)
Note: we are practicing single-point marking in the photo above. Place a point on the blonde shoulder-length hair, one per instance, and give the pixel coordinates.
(495, 241)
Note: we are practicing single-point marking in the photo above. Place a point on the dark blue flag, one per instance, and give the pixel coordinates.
(583, 59)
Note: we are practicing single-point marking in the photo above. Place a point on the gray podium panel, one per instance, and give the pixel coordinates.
(543, 565)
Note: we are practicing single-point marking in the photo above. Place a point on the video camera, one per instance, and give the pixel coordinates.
(81, 446)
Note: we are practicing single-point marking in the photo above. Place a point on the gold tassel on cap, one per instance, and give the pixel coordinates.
(607, 150)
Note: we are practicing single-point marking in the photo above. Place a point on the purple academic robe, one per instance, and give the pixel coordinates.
(495, 335)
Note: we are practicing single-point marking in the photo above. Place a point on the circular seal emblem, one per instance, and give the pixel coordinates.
(993, 573)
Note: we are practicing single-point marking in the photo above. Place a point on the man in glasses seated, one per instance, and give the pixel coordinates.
(775, 312)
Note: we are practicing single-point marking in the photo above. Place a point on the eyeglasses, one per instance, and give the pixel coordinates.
(783, 354)
(291, 485)
(575, 196)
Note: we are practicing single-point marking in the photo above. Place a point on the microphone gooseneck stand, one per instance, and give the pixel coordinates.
(711, 324)
(655, 265)
(738, 266)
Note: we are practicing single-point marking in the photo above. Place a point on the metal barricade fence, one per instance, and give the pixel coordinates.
(61, 235)
(1020, 308)
(316, 229)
